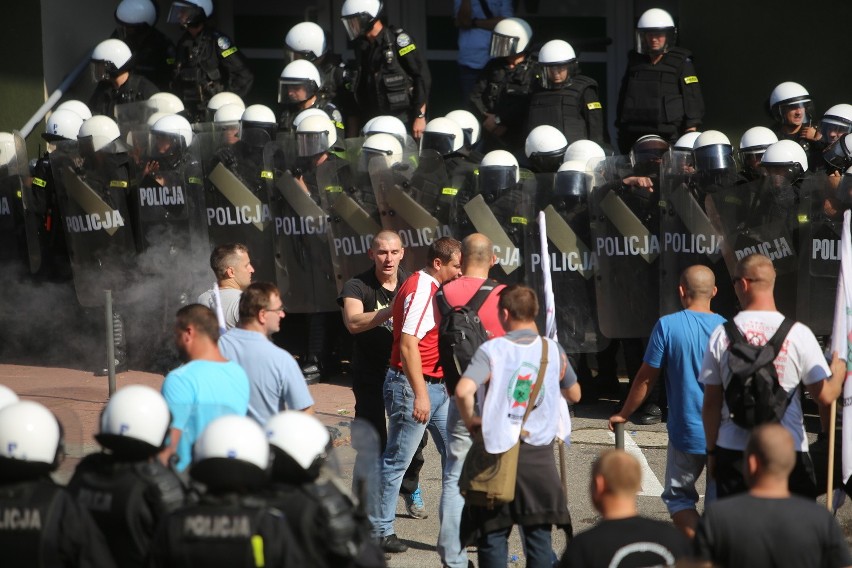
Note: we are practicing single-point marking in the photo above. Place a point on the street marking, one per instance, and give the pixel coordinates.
(650, 484)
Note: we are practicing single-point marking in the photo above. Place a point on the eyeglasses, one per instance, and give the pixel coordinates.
(279, 309)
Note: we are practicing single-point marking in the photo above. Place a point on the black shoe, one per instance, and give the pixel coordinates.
(391, 543)
(311, 371)
(648, 414)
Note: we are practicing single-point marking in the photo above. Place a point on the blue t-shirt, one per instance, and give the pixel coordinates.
(276, 382)
(198, 393)
(678, 343)
(475, 43)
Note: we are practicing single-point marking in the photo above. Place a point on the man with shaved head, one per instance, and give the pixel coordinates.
(769, 526)
(799, 363)
(622, 538)
(678, 343)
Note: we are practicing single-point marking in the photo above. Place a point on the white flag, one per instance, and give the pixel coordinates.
(220, 315)
(841, 339)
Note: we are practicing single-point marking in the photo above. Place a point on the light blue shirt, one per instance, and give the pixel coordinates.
(475, 43)
(199, 392)
(275, 379)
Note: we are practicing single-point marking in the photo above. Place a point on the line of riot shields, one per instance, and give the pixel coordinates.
(143, 216)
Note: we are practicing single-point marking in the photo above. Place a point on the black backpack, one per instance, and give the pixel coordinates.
(754, 395)
(461, 333)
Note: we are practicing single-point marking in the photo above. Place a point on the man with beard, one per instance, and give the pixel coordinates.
(206, 387)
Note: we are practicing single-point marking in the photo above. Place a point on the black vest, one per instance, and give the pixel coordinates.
(562, 108)
(653, 98)
(31, 516)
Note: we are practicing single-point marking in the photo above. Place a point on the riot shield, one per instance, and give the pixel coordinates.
(687, 237)
(821, 225)
(92, 193)
(564, 199)
(238, 189)
(19, 216)
(363, 458)
(347, 196)
(303, 264)
(133, 116)
(625, 231)
(408, 202)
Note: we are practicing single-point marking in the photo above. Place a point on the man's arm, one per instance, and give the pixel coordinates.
(826, 391)
(573, 393)
(357, 320)
(412, 366)
(465, 391)
(645, 379)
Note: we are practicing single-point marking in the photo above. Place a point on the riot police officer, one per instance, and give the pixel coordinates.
(219, 100)
(327, 521)
(299, 89)
(566, 99)
(153, 52)
(42, 521)
(112, 64)
(660, 93)
(545, 148)
(471, 130)
(392, 75)
(231, 525)
(207, 61)
(125, 487)
(753, 144)
(836, 122)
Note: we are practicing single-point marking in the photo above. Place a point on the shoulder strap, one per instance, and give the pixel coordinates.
(538, 381)
(443, 305)
(778, 339)
(482, 294)
(733, 331)
(486, 9)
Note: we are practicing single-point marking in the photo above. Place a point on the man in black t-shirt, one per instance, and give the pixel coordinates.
(623, 538)
(367, 302)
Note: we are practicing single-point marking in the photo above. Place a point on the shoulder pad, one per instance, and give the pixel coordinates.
(223, 42)
(402, 38)
(585, 81)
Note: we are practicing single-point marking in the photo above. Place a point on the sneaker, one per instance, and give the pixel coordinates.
(414, 505)
(391, 543)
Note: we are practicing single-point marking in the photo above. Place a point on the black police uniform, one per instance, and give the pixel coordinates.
(291, 111)
(208, 64)
(663, 98)
(126, 500)
(153, 53)
(42, 525)
(136, 88)
(505, 93)
(393, 76)
(226, 530)
(55, 264)
(338, 84)
(574, 108)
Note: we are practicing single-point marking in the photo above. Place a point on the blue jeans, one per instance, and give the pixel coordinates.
(404, 436)
(494, 547)
(682, 471)
(452, 553)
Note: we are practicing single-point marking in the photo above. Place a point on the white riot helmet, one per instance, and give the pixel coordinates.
(300, 443)
(136, 13)
(76, 107)
(358, 16)
(573, 181)
(298, 74)
(258, 125)
(839, 153)
(175, 127)
(653, 23)
(232, 452)
(583, 151)
(386, 124)
(686, 142)
(443, 136)
(7, 396)
(835, 122)
(98, 133)
(498, 172)
(135, 421)
(228, 115)
(315, 135)
(219, 100)
(381, 146)
(713, 152)
(165, 102)
(558, 63)
(545, 147)
(110, 58)
(190, 12)
(753, 144)
(788, 96)
(30, 439)
(469, 125)
(305, 40)
(7, 148)
(307, 113)
(789, 155)
(155, 117)
(510, 36)
(682, 158)
(62, 125)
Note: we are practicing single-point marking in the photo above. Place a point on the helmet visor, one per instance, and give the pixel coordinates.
(832, 128)
(503, 45)
(311, 143)
(440, 142)
(796, 113)
(653, 41)
(571, 184)
(554, 74)
(837, 154)
(101, 70)
(495, 179)
(257, 134)
(715, 157)
(683, 161)
(547, 161)
(295, 90)
(356, 24)
(291, 55)
(184, 14)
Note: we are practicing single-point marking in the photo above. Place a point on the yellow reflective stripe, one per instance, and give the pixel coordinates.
(228, 52)
(39, 182)
(691, 79)
(334, 188)
(338, 125)
(449, 191)
(170, 60)
(526, 174)
(195, 180)
(118, 183)
(476, 172)
(266, 174)
(407, 49)
(257, 548)
(19, 194)
(594, 106)
(519, 220)
(803, 218)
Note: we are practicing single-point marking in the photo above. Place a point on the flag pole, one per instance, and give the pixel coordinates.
(829, 487)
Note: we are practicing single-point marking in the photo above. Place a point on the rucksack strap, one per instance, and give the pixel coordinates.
(474, 303)
(776, 341)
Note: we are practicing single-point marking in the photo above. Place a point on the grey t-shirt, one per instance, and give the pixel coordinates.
(230, 304)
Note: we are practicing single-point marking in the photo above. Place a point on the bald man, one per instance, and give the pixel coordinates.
(801, 362)
(768, 526)
(678, 343)
(622, 533)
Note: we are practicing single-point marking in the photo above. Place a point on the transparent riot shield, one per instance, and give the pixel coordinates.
(19, 212)
(625, 231)
(407, 201)
(133, 116)
(239, 185)
(687, 237)
(362, 456)
(353, 217)
(303, 266)
(821, 225)
(92, 193)
(564, 199)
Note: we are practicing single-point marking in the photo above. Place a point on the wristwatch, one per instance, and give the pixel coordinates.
(496, 119)
(421, 115)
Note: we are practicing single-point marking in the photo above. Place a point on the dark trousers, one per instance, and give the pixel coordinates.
(730, 476)
(493, 547)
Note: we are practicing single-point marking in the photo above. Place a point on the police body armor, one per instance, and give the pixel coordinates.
(106, 97)
(53, 257)
(392, 84)
(562, 108)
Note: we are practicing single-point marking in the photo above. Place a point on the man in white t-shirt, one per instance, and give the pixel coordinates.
(800, 362)
(232, 266)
